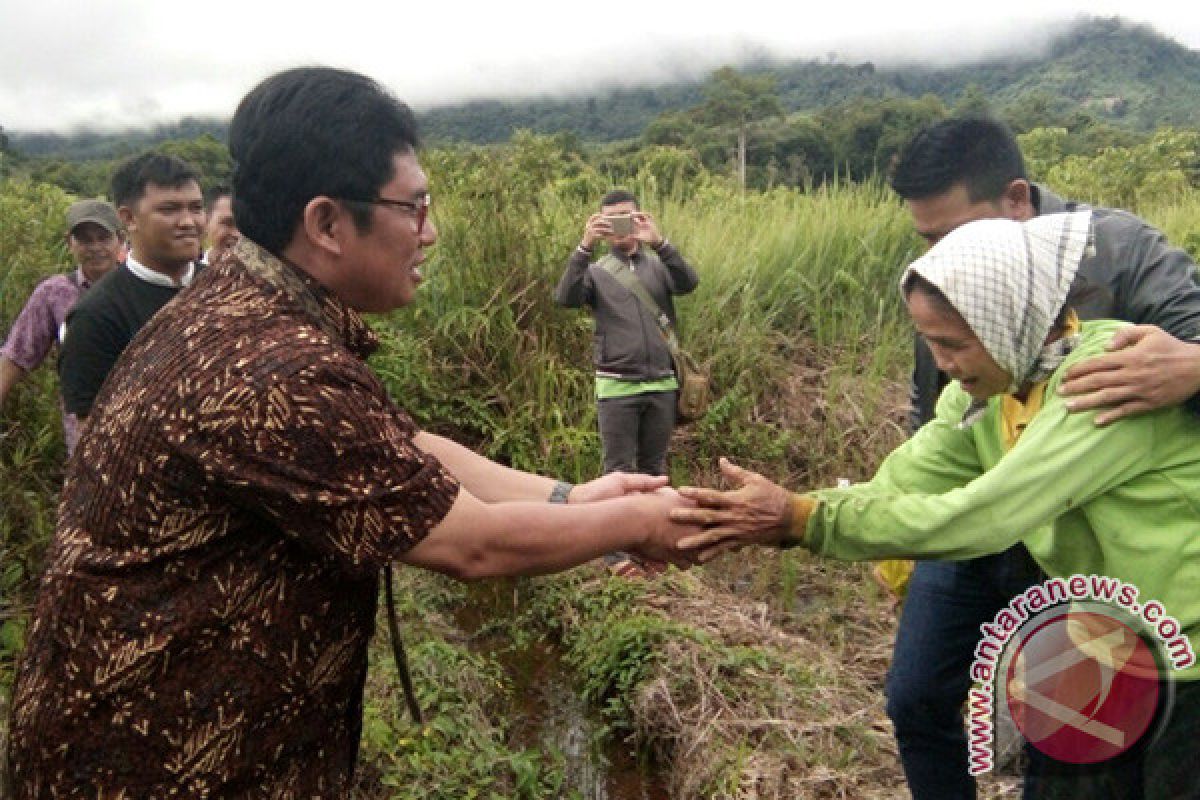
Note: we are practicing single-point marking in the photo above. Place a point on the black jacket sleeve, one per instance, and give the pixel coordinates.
(575, 288)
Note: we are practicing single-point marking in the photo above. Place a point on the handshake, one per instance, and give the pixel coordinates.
(693, 525)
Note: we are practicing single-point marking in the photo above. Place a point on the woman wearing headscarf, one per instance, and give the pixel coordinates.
(1004, 461)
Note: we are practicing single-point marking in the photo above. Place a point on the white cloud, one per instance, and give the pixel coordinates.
(130, 63)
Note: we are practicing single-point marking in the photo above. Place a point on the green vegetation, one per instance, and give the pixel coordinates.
(467, 746)
(1100, 71)
(32, 245)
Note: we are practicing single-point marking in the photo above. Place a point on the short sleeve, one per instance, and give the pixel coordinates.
(35, 330)
(326, 457)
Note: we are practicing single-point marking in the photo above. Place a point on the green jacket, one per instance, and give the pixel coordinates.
(1121, 501)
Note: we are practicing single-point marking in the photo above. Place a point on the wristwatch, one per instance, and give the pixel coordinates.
(560, 492)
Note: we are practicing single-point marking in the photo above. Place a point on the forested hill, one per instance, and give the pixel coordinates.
(1111, 70)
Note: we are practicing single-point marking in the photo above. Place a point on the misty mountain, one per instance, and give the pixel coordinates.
(1128, 75)
(1109, 69)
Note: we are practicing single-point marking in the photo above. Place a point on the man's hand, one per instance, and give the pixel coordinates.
(615, 484)
(646, 230)
(598, 227)
(1145, 369)
(661, 543)
(755, 511)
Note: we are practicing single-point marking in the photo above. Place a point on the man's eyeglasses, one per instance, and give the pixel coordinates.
(418, 208)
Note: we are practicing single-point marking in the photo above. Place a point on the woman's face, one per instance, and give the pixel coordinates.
(956, 349)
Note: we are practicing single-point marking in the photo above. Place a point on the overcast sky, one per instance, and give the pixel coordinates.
(115, 64)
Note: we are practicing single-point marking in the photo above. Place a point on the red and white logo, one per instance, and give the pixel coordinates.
(1082, 685)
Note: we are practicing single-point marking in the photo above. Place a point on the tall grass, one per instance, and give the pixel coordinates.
(32, 247)
(788, 280)
(1179, 219)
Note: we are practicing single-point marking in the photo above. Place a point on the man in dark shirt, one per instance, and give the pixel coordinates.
(202, 626)
(159, 202)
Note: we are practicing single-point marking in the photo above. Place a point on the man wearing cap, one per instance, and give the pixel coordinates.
(94, 239)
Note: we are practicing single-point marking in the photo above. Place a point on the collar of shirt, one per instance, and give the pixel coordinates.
(340, 322)
(1016, 415)
(81, 279)
(148, 275)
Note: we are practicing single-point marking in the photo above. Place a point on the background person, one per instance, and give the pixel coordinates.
(94, 240)
(203, 621)
(1004, 459)
(635, 376)
(636, 385)
(159, 202)
(221, 232)
(957, 171)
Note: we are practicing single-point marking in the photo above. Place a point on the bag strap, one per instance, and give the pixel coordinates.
(401, 658)
(625, 276)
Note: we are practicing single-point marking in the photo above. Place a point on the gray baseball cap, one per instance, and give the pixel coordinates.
(97, 211)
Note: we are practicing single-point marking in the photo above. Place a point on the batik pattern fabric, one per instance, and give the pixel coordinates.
(202, 626)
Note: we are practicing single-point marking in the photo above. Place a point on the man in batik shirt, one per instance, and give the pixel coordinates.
(202, 626)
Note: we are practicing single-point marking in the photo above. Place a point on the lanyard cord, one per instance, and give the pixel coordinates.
(398, 653)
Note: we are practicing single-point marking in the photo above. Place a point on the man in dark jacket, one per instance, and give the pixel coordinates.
(951, 173)
(635, 377)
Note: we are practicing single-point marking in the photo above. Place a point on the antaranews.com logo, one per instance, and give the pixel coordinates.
(1084, 668)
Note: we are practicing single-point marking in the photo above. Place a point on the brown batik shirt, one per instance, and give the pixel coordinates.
(202, 626)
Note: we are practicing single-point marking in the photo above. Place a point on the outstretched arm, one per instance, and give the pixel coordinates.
(492, 482)
(480, 540)
(1031, 486)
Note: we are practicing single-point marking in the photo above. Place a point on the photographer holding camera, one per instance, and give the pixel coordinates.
(635, 377)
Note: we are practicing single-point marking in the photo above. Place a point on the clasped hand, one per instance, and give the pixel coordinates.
(661, 544)
(754, 511)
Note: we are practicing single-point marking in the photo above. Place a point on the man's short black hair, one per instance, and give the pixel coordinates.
(216, 193)
(619, 196)
(311, 132)
(133, 175)
(978, 152)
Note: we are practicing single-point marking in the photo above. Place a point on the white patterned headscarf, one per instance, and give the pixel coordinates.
(1009, 280)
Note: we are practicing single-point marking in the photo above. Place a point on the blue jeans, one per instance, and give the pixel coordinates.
(927, 684)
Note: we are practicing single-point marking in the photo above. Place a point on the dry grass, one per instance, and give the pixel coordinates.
(805, 719)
